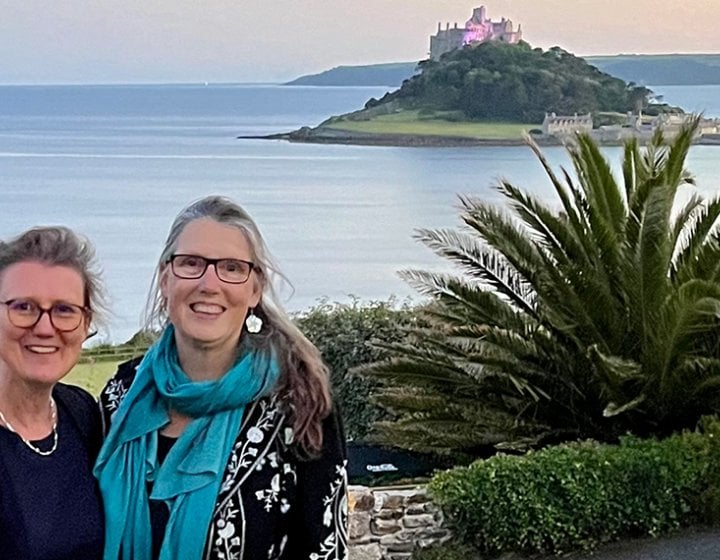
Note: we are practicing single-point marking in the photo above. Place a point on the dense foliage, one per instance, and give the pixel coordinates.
(445, 551)
(578, 495)
(589, 321)
(499, 81)
(344, 335)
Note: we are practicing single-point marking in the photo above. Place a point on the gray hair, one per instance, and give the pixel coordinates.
(305, 378)
(223, 211)
(59, 246)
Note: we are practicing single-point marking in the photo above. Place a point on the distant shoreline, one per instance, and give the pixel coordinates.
(686, 69)
(327, 136)
(306, 135)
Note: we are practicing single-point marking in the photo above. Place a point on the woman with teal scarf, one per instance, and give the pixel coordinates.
(221, 441)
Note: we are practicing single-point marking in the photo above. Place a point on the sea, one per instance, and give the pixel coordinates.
(118, 162)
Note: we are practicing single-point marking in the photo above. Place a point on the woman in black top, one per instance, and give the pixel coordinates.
(50, 433)
(223, 443)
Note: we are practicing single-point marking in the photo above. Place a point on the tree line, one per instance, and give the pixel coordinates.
(517, 83)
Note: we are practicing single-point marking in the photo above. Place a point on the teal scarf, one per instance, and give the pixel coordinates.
(190, 476)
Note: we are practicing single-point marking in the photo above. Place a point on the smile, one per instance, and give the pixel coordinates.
(42, 349)
(207, 308)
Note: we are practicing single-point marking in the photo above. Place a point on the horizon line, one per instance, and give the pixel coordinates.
(309, 73)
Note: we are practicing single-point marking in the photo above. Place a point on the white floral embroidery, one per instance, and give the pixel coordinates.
(327, 548)
(227, 538)
(255, 435)
(270, 495)
(271, 458)
(115, 391)
(244, 451)
(281, 547)
(334, 547)
(268, 467)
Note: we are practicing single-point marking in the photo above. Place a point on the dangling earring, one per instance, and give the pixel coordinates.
(253, 322)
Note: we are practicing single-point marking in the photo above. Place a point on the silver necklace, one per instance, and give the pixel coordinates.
(53, 412)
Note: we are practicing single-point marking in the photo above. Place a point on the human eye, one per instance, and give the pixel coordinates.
(235, 267)
(189, 261)
(232, 265)
(24, 306)
(65, 310)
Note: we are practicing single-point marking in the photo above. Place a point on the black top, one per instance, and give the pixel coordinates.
(159, 511)
(50, 507)
(273, 502)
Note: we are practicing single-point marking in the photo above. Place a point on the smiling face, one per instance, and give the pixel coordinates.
(206, 312)
(40, 355)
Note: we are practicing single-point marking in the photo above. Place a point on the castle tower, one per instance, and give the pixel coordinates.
(478, 29)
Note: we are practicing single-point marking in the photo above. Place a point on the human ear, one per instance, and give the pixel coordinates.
(163, 281)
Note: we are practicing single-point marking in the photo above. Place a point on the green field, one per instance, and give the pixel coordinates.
(412, 123)
(92, 375)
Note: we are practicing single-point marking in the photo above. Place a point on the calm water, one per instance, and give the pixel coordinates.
(118, 162)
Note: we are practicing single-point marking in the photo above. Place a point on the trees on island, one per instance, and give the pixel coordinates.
(499, 81)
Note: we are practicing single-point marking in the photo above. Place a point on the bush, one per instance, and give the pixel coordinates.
(344, 335)
(447, 551)
(578, 495)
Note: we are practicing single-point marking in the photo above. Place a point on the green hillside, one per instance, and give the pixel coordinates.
(661, 69)
(391, 74)
(671, 69)
(510, 83)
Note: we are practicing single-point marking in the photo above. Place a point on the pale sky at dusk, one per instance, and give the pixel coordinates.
(140, 41)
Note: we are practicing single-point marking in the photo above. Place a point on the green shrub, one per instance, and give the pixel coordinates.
(344, 335)
(446, 551)
(577, 495)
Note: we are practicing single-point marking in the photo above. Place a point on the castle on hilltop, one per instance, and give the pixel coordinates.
(478, 29)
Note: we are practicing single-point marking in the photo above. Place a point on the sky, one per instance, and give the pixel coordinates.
(166, 41)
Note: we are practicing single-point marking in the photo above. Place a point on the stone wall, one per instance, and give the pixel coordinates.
(388, 523)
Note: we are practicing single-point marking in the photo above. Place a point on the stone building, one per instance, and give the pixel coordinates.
(564, 125)
(478, 29)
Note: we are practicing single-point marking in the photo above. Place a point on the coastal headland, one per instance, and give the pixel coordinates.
(326, 135)
(497, 94)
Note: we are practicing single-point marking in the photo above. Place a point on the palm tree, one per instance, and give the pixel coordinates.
(592, 321)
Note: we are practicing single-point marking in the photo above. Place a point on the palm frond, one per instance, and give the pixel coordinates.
(479, 262)
(606, 201)
(591, 321)
(694, 226)
(554, 232)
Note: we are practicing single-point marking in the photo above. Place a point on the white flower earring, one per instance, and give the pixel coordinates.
(253, 322)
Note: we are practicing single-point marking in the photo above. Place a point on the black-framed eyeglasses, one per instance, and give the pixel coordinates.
(26, 313)
(191, 267)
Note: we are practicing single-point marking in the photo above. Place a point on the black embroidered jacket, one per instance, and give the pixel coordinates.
(272, 505)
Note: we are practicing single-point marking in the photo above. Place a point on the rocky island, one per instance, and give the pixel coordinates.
(483, 85)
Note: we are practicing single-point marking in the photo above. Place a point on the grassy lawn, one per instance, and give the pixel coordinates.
(91, 376)
(410, 122)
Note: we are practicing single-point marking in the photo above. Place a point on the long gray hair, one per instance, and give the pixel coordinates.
(305, 380)
(60, 246)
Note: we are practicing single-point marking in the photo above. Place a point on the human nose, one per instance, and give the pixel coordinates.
(44, 324)
(210, 279)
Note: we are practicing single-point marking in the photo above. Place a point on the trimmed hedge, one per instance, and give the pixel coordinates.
(575, 496)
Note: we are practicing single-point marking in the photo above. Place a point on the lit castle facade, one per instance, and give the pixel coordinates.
(478, 29)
